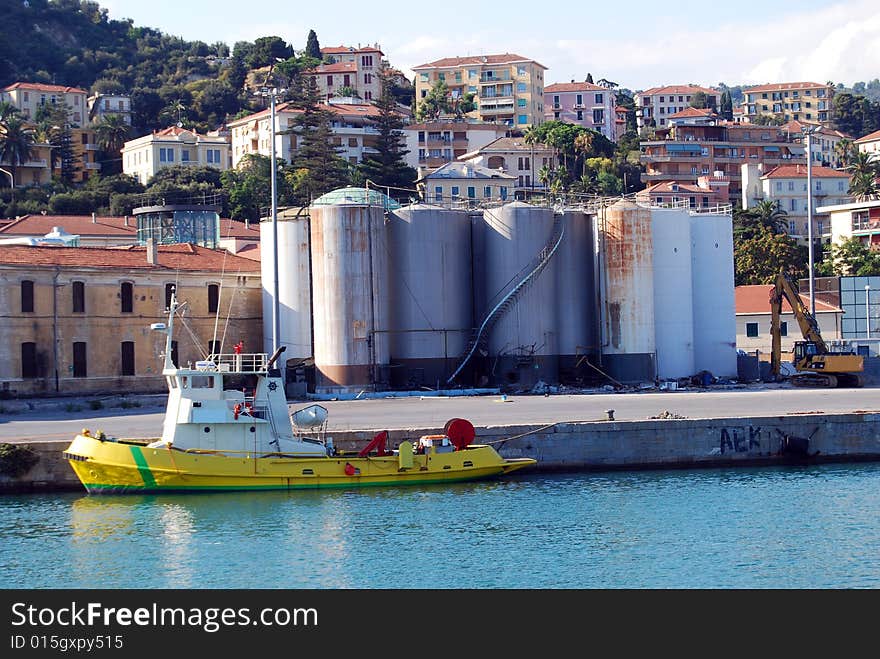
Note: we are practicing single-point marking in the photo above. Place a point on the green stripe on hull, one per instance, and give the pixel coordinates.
(156, 489)
(143, 467)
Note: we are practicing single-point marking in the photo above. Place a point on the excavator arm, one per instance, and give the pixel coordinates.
(786, 289)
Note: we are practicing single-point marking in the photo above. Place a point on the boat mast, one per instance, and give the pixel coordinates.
(172, 308)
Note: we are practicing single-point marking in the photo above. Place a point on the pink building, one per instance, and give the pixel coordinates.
(582, 103)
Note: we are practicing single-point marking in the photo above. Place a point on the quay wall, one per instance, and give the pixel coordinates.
(598, 445)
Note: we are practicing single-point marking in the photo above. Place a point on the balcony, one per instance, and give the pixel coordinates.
(35, 163)
(484, 79)
(91, 147)
(93, 165)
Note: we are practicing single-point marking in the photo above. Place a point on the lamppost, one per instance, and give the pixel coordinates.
(808, 132)
(867, 311)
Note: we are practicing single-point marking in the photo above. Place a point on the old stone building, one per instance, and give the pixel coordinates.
(77, 319)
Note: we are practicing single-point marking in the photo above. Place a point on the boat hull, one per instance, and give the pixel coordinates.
(119, 467)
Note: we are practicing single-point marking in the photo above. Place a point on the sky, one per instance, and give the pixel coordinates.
(637, 44)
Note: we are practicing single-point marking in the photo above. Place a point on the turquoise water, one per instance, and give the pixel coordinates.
(792, 527)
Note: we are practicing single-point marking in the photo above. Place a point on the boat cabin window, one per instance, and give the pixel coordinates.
(203, 382)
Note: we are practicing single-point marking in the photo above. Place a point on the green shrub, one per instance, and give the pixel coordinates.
(96, 405)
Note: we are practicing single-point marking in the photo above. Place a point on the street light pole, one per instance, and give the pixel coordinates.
(867, 311)
(809, 132)
(276, 320)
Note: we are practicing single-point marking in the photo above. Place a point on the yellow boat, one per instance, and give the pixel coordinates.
(217, 438)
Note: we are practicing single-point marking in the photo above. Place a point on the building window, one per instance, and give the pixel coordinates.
(126, 297)
(503, 193)
(455, 191)
(487, 192)
(522, 119)
(438, 193)
(752, 329)
(580, 115)
(213, 156)
(794, 204)
(184, 156)
(78, 291)
(366, 60)
(213, 298)
(80, 369)
(29, 360)
(521, 87)
(579, 100)
(368, 78)
(472, 192)
(27, 296)
(783, 328)
(127, 354)
(599, 99)
(598, 116)
(520, 102)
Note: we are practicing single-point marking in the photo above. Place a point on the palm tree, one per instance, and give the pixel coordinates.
(863, 186)
(770, 215)
(583, 144)
(862, 163)
(545, 175)
(7, 110)
(110, 134)
(530, 137)
(16, 141)
(844, 152)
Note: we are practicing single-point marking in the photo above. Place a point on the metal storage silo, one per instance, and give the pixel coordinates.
(628, 344)
(576, 306)
(713, 294)
(294, 285)
(673, 302)
(521, 252)
(429, 293)
(350, 301)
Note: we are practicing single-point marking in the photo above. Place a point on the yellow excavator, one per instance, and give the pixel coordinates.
(816, 365)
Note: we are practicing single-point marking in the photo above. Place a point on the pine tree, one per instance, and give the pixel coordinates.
(313, 48)
(317, 168)
(387, 166)
(726, 105)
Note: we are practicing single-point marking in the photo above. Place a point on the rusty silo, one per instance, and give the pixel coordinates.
(628, 291)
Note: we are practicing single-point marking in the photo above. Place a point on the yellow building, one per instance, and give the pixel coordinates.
(807, 102)
(29, 97)
(508, 88)
(77, 319)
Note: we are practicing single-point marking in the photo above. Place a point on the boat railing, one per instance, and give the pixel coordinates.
(248, 362)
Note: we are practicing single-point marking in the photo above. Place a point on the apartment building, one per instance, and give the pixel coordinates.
(707, 192)
(103, 105)
(435, 143)
(465, 183)
(808, 102)
(860, 219)
(346, 66)
(34, 171)
(513, 156)
(79, 317)
(655, 105)
(870, 144)
(787, 184)
(699, 143)
(29, 97)
(823, 142)
(353, 133)
(582, 103)
(170, 147)
(507, 88)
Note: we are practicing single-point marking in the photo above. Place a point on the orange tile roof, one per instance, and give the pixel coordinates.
(756, 299)
(783, 85)
(341, 50)
(573, 87)
(336, 67)
(342, 109)
(187, 257)
(38, 86)
(80, 225)
(234, 229)
(679, 89)
(870, 137)
(800, 171)
(250, 252)
(506, 58)
(666, 186)
(693, 112)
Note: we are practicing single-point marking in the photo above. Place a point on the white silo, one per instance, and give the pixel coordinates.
(627, 268)
(294, 284)
(713, 294)
(673, 301)
(430, 298)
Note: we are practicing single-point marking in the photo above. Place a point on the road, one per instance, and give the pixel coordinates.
(770, 400)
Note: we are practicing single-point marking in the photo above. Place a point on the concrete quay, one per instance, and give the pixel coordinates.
(601, 445)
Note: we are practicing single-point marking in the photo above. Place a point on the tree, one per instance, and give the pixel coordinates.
(387, 167)
(348, 92)
(764, 216)
(863, 186)
(16, 142)
(759, 258)
(583, 144)
(53, 123)
(844, 151)
(850, 257)
(266, 51)
(726, 105)
(248, 187)
(110, 135)
(313, 48)
(319, 167)
(700, 101)
(436, 101)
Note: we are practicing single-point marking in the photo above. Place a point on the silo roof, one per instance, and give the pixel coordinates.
(357, 196)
